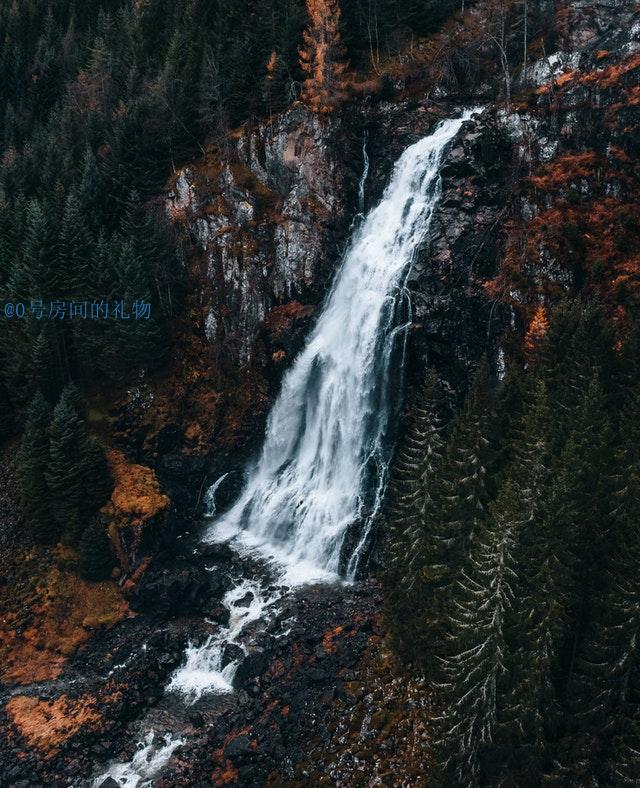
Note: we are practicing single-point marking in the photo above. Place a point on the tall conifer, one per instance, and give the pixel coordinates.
(31, 465)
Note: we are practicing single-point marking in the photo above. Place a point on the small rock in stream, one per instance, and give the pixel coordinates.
(245, 601)
(231, 653)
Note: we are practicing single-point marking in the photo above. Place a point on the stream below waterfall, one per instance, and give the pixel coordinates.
(311, 499)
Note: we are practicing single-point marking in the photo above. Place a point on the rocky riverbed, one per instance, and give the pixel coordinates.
(313, 655)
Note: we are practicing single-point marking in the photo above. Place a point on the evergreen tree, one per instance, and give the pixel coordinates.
(98, 483)
(45, 374)
(65, 470)
(583, 511)
(90, 193)
(74, 249)
(31, 465)
(131, 272)
(474, 658)
(623, 766)
(37, 275)
(464, 493)
(417, 465)
(96, 553)
(529, 708)
(603, 693)
(7, 416)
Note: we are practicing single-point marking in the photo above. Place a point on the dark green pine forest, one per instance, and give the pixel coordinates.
(511, 540)
(512, 562)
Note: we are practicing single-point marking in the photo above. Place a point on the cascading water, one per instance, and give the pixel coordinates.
(325, 453)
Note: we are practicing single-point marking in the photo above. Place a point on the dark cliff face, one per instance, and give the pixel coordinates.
(267, 217)
(453, 321)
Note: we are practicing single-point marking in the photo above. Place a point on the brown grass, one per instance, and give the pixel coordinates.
(66, 612)
(45, 725)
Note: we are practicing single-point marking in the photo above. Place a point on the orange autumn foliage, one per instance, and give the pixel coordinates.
(136, 494)
(603, 79)
(536, 332)
(328, 639)
(272, 64)
(136, 500)
(597, 239)
(225, 775)
(566, 169)
(62, 618)
(48, 724)
(322, 60)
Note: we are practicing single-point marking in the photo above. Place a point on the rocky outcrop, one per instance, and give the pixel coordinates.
(265, 217)
(574, 132)
(453, 322)
(137, 507)
(182, 588)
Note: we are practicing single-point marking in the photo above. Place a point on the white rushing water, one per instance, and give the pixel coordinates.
(323, 463)
(202, 670)
(150, 758)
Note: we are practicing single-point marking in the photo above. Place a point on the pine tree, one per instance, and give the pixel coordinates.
(603, 692)
(45, 373)
(464, 492)
(416, 468)
(90, 193)
(583, 512)
(7, 416)
(31, 465)
(131, 272)
(36, 275)
(65, 469)
(74, 248)
(529, 708)
(322, 59)
(554, 350)
(623, 766)
(96, 553)
(105, 255)
(578, 349)
(474, 657)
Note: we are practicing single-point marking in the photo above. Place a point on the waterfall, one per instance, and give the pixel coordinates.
(324, 460)
(323, 463)
(322, 469)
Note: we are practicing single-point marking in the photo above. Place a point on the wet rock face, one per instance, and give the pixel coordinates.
(452, 320)
(265, 217)
(454, 323)
(178, 589)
